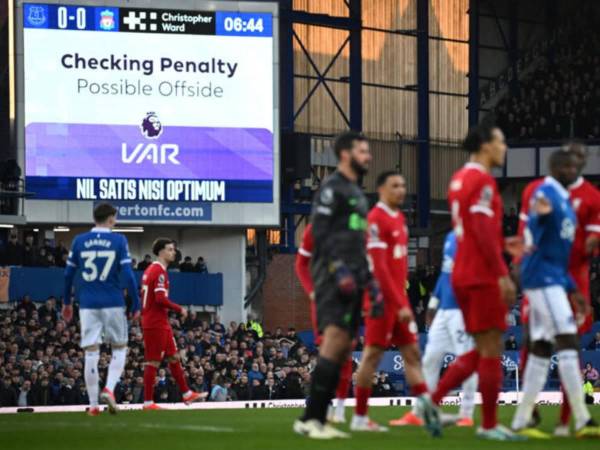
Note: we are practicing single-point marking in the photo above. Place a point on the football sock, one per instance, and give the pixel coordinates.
(149, 378)
(325, 379)
(115, 369)
(565, 409)
(467, 403)
(177, 372)
(340, 408)
(570, 376)
(91, 375)
(456, 373)
(362, 400)
(345, 379)
(418, 389)
(490, 381)
(534, 379)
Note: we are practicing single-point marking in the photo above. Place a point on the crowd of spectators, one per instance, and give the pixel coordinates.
(28, 253)
(561, 97)
(42, 364)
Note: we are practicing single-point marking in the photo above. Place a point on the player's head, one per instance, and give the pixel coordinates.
(352, 149)
(105, 215)
(579, 151)
(487, 141)
(563, 167)
(164, 248)
(391, 187)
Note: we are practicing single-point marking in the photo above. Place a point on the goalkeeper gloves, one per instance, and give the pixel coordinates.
(344, 278)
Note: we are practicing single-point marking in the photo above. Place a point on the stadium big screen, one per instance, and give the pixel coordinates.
(168, 113)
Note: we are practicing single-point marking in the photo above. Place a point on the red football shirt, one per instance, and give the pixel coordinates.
(155, 297)
(477, 211)
(387, 245)
(585, 199)
(303, 258)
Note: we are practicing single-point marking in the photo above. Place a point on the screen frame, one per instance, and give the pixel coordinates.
(223, 214)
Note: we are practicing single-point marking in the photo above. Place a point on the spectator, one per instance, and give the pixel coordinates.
(258, 391)
(219, 392)
(60, 251)
(588, 392)
(271, 389)
(30, 252)
(13, 253)
(143, 265)
(242, 388)
(25, 397)
(255, 374)
(200, 265)
(27, 305)
(591, 374)
(511, 343)
(187, 265)
(383, 387)
(595, 344)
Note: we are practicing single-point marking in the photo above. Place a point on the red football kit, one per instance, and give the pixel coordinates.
(158, 335)
(387, 246)
(585, 199)
(477, 211)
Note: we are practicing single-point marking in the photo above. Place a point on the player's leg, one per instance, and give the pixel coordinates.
(341, 392)
(91, 338)
(437, 347)
(154, 347)
(338, 319)
(115, 333)
(541, 332)
(174, 362)
(369, 362)
(461, 343)
(567, 347)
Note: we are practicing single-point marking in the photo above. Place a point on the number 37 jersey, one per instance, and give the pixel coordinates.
(98, 256)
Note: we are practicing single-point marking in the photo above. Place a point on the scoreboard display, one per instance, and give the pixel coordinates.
(170, 107)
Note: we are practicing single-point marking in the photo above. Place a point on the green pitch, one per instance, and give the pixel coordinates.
(240, 430)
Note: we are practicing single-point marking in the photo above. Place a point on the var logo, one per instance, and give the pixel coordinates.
(158, 154)
(151, 128)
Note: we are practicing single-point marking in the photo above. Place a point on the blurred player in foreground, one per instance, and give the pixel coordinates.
(447, 334)
(99, 257)
(388, 252)
(158, 335)
(585, 199)
(549, 236)
(340, 273)
(336, 413)
(480, 278)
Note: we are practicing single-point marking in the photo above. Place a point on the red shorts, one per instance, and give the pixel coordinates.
(158, 343)
(482, 307)
(581, 276)
(388, 330)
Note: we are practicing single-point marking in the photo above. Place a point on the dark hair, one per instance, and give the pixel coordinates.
(345, 141)
(160, 244)
(560, 158)
(383, 176)
(103, 211)
(477, 136)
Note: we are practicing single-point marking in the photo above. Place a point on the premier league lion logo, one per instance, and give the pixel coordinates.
(151, 126)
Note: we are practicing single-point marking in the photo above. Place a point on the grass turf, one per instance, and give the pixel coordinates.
(240, 429)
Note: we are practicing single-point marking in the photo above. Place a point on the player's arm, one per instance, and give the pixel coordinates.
(592, 227)
(303, 271)
(434, 301)
(160, 295)
(485, 225)
(127, 270)
(70, 271)
(377, 249)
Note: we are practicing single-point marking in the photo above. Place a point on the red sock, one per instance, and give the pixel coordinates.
(362, 400)
(457, 372)
(418, 389)
(149, 378)
(345, 379)
(490, 381)
(177, 372)
(565, 409)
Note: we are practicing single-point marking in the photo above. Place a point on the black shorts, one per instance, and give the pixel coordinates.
(336, 309)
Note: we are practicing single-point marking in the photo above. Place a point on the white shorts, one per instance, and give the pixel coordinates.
(108, 325)
(550, 313)
(448, 334)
